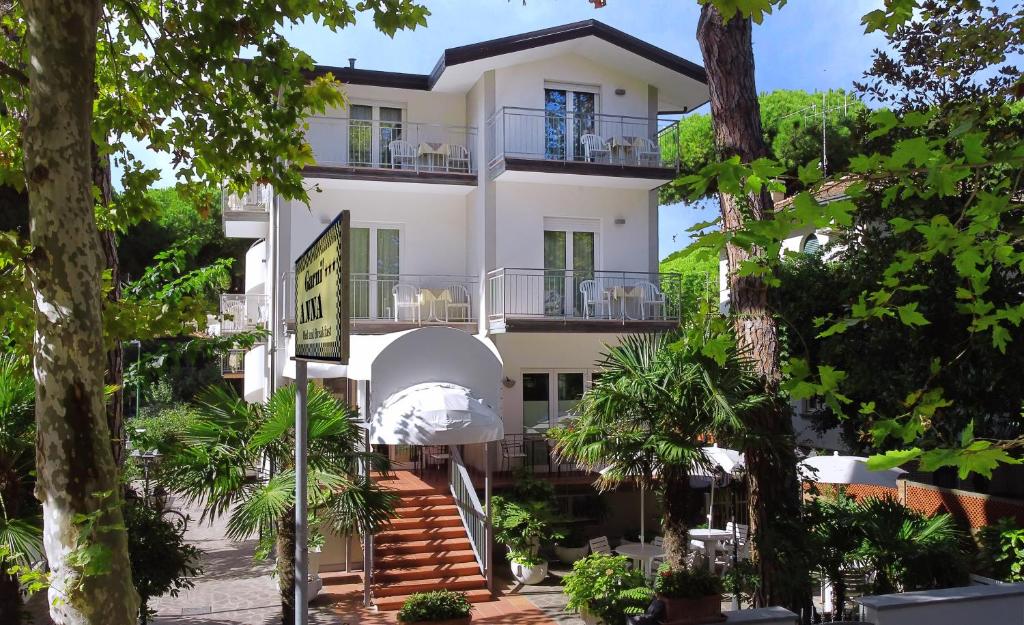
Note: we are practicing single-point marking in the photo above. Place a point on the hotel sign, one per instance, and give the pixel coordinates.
(322, 295)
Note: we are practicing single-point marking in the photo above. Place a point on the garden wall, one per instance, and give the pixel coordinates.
(973, 509)
(1001, 603)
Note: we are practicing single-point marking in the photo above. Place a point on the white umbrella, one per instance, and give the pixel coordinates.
(836, 469)
(654, 473)
(727, 461)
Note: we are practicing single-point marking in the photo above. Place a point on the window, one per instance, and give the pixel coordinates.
(375, 261)
(811, 245)
(570, 257)
(570, 113)
(550, 396)
(371, 130)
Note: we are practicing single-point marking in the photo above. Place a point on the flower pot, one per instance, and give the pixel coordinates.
(529, 574)
(569, 555)
(313, 585)
(313, 560)
(707, 609)
(589, 618)
(452, 621)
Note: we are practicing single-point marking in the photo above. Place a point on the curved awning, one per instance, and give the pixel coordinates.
(434, 413)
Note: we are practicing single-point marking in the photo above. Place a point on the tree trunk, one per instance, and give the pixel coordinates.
(77, 478)
(677, 509)
(771, 463)
(286, 566)
(10, 598)
(114, 375)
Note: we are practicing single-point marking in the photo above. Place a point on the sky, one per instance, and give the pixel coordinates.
(808, 44)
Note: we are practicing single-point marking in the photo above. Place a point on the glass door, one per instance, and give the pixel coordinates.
(568, 115)
(387, 270)
(360, 135)
(372, 292)
(390, 129)
(569, 259)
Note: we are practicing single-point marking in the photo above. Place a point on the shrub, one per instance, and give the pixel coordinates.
(607, 587)
(522, 526)
(1002, 550)
(438, 605)
(686, 584)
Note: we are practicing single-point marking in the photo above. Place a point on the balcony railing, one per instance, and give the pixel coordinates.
(583, 295)
(565, 136)
(255, 200)
(392, 145)
(240, 313)
(232, 363)
(403, 298)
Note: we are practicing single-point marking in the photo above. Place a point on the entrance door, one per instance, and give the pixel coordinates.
(375, 258)
(569, 114)
(569, 259)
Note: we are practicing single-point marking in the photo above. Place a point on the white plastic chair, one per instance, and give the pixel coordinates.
(647, 152)
(458, 302)
(457, 158)
(594, 148)
(600, 545)
(651, 300)
(596, 298)
(403, 154)
(407, 297)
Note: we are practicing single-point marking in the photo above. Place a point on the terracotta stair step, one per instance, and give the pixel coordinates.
(433, 545)
(428, 571)
(422, 501)
(432, 556)
(392, 603)
(341, 577)
(423, 522)
(417, 534)
(465, 582)
(410, 512)
(425, 491)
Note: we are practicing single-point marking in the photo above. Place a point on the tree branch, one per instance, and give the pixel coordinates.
(13, 72)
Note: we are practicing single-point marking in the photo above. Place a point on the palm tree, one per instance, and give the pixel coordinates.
(834, 533)
(908, 550)
(216, 465)
(651, 409)
(20, 520)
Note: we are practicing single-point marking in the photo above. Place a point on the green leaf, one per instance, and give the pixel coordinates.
(910, 316)
(892, 459)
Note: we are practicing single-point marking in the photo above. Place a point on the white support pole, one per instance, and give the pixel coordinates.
(301, 518)
(367, 537)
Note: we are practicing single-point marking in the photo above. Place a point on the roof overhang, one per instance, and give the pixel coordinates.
(682, 84)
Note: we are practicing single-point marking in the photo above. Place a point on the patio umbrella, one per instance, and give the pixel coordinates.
(836, 469)
(725, 463)
(654, 473)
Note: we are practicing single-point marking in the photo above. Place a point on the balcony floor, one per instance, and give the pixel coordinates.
(461, 182)
(580, 325)
(514, 169)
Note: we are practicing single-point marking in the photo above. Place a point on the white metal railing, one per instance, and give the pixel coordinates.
(428, 299)
(239, 313)
(232, 362)
(569, 294)
(474, 518)
(382, 144)
(565, 136)
(255, 200)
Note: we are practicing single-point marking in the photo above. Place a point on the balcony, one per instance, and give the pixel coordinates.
(232, 363)
(247, 216)
(242, 313)
(532, 300)
(383, 303)
(536, 144)
(383, 150)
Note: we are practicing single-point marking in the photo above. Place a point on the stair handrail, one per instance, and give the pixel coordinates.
(474, 518)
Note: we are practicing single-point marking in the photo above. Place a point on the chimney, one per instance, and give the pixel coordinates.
(352, 62)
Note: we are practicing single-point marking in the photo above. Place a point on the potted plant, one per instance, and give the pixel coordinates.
(691, 597)
(604, 589)
(522, 526)
(573, 545)
(439, 607)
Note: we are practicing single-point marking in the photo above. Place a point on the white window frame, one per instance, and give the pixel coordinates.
(570, 109)
(373, 277)
(554, 419)
(375, 121)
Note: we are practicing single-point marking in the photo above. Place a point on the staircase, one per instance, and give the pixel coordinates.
(425, 547)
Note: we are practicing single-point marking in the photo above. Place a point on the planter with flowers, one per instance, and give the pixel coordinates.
(439, 607)
(691, 597)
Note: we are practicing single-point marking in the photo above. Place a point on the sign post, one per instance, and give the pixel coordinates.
(322, 300)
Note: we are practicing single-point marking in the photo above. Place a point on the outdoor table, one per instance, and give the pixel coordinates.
(623, 293)
(435, 152)
(429, 298)
(641, 552)
(622, 146)
(710, 537)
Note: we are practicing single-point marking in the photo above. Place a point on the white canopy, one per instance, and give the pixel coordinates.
(364, 349)
(434, 413)
(728, 460)
(838, 469)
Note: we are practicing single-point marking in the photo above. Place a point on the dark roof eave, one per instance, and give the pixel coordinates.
(515, 43)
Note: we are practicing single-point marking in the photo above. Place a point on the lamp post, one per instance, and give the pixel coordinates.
(138, 373)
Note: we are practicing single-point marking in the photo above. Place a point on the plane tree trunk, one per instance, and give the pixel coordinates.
(77, 483)
(774, 503)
